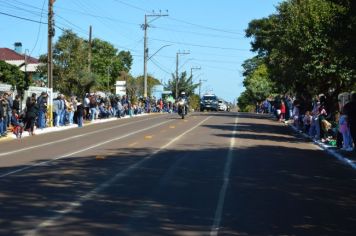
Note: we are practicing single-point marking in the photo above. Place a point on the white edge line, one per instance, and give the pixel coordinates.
(333, 153)
(72, 206)
(69, 138)
(227, 169)
(82, 150)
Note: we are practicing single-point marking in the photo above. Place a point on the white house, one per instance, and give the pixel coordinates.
(15, 57)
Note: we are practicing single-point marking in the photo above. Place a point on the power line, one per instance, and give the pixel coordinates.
(22, 18)
(39, 28)
(131, 5)
(198, 33)
(183, 21)
(200, 45)
(27, 19)
(205, 27)
(160, 67)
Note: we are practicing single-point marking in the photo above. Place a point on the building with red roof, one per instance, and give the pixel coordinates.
(15, 58)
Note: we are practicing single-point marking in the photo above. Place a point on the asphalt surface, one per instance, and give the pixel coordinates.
(209, 174)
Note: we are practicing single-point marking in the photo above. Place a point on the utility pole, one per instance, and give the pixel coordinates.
(177, 64)
(50, 60)
(145, 49)
(200, 80)
(89, 52)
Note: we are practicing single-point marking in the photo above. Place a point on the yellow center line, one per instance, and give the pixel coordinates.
(100, 157)
(148, 137)
(133, 144)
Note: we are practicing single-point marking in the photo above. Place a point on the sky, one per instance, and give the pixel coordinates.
(208, 35)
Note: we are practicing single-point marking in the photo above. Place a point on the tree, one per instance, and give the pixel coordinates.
(70, 58)
(12, 75)
(151, 81)
(70, 73)
(257, 83)
(304, 49)
(185, 84)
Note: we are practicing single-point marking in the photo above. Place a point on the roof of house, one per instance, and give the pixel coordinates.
(7, 54)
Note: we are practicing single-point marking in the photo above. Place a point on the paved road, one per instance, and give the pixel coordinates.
(211, 174)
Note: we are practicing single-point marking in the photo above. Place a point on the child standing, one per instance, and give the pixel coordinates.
(80, 113)
(307, 120)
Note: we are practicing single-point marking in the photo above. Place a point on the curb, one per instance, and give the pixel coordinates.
(38, 131)
(327, 148)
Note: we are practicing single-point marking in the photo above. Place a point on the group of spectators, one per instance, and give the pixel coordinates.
(336, 127)
(70, 110)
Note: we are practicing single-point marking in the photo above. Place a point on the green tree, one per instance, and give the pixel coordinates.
(108, 63)
(185, 84)
(257, 83)
(151, 81)
(70, 65)
(303, 48)
(71, 74)
(11, 74)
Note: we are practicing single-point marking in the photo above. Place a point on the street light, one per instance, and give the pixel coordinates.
(145, 70)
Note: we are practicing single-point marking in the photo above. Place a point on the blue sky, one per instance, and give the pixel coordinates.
(212, 31)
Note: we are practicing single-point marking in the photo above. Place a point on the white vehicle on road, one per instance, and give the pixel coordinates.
(222, 105)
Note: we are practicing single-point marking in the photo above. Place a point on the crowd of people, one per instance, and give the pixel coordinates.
(69, 110)
(337, 127)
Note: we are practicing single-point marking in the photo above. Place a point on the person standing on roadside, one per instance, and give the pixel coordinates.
(42, 110)
(10, 102)
(80, 112)
(16, 104)
(92, 106)
(283, 111)
(350, 112)
(5, 106)
(31, 115)
(1, 117)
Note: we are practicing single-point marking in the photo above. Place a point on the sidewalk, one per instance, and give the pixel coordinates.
(348, 158)
(25, 134)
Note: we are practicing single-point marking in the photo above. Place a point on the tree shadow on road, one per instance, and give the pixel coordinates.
(273, 190)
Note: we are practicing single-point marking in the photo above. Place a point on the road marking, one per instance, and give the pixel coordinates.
(172, 127)
(100, 157)
(332, 152)
(227, 169)
(69, 138)
(74, 205)
(83, 150)
(148, 137)
(133, 144)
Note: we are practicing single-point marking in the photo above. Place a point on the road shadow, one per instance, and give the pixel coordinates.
(272, 190)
